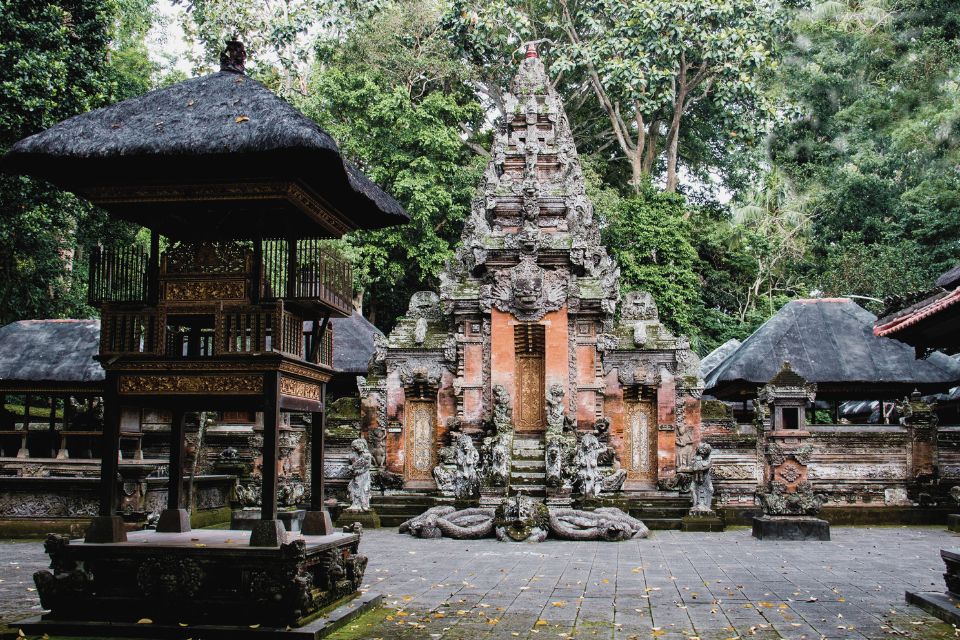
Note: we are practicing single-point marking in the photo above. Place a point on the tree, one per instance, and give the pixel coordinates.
(649, 63)
(280, 36)
(399, 105)
(650, 237)
(58, 59)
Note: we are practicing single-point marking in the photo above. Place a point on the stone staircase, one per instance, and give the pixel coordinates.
(396, 509)
(528, 467)
(660, 510)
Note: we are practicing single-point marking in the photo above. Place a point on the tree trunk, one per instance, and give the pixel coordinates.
(650, 153)
(673, 144)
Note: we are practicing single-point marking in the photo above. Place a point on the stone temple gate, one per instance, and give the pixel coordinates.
(529, 368)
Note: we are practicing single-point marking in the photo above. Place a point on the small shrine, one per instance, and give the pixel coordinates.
(787, 497)
(528, 372)
(239, 192)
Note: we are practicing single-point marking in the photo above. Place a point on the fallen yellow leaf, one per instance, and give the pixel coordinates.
(241, 119)
(144, 621)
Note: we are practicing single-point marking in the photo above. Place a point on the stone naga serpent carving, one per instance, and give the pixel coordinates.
(607, 523)
(466, 524)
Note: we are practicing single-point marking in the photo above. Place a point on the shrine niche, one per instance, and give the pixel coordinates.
(567, 390)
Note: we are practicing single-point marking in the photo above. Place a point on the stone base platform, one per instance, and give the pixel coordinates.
(937, 603)
(702, 523)
(369, 519)
(245, 519)
(210, 577)
(327, 622)
(953, 522)
(790, 528)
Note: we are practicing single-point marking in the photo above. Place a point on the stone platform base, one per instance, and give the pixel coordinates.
(937, 603)
(702, 523)
(343, 613)
(369, 519)
(207, 576)
(790, 528)
(953, 522)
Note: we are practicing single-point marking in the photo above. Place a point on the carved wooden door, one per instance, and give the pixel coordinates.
(420, 418)
(641, 441)
(530, 412)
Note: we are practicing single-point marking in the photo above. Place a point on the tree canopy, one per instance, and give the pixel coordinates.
(740, 153)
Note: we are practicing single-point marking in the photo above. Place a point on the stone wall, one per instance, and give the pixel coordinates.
(853, 465)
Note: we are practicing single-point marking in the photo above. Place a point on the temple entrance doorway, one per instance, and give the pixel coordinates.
(419, 446)
(530, 350)
(640, 436)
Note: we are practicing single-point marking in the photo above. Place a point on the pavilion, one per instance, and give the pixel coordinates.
(241, 190)
(830, 342)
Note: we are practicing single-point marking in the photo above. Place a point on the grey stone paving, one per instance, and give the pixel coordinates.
(672, 585)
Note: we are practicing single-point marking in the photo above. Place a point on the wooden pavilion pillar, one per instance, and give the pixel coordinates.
(317, 521)
(108, 526)
(269, 531)
(175, 519)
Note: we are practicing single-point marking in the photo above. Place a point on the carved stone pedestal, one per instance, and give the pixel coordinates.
(205, 577)
(945, 606)
(790, 528)
(703, 522)
(560, 497)
(246, 519)
(268, 533)
(369, 519)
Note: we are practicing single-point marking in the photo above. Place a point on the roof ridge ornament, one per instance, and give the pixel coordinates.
(234, 57)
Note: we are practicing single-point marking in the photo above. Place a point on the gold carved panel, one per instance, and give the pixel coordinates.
(420, 418)
(299, 389)
(641, 441)
(202, 290)
(530, 413)
(214, 384)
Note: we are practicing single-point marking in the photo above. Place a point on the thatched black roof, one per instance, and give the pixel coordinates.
(830, 342)
(220, 129)
(353, 344)
(50, 352)
(713, 359)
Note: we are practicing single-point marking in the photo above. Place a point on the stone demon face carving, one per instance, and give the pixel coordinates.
(527, 285)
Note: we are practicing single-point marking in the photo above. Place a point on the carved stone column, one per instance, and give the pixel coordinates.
(920, 419)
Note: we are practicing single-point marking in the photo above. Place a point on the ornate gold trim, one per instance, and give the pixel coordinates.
(211, 384)
(204, 290)
(299, 389)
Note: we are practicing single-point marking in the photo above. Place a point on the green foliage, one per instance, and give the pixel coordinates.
(875, 141)
(649, 235)
(55, 61)
(400, 111)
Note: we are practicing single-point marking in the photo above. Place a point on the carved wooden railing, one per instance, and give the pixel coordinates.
(306, 270)
(117, 275)
(126, 332)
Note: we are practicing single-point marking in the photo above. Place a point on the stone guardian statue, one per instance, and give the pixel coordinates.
(359, 486)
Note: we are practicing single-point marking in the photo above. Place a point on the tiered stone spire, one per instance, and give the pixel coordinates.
(531, 243)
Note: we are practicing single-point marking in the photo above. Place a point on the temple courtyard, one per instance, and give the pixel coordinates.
(672, 585)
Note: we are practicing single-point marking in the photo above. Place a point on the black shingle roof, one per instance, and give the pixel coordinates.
(59, 351)
(221, 127)
(830, 342)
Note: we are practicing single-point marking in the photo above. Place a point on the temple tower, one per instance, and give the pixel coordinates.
(526, 316)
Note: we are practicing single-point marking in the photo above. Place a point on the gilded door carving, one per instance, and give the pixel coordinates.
(530, 413)
(641, 437)
(420, 418)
